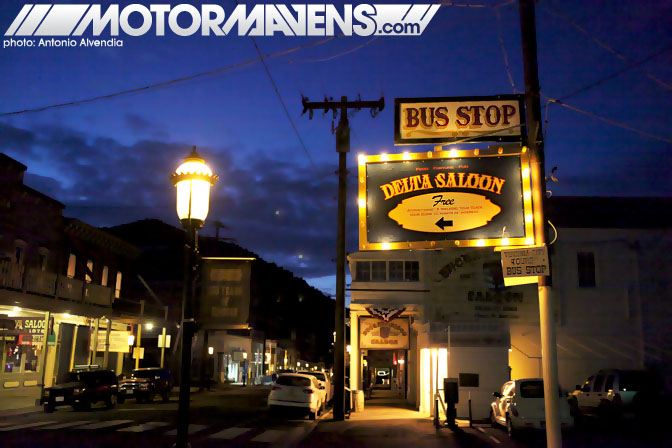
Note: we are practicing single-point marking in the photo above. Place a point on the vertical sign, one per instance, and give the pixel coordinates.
(225, 293)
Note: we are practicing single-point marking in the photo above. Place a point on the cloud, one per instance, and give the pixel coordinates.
(285, 213)
(140, 126)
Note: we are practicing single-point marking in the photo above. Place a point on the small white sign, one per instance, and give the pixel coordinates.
(162, 343)
(138, 352)
(528, 262)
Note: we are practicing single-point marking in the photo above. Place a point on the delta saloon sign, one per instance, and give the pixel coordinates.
(445, 199)
(445, 120)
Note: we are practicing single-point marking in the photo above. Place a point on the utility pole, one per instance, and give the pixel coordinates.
(342, 132)
(549, 357)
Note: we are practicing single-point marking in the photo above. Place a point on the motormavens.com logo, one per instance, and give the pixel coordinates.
(35, 22)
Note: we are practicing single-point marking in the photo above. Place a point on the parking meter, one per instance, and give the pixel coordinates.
(451, 395)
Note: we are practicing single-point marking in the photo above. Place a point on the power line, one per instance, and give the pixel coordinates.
(607, 120)
(605, 46)
(503, 48)
(599, 82)
(338, 55)
(284, 106)
(172, 81)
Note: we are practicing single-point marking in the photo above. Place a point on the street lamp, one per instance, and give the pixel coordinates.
(192, 179)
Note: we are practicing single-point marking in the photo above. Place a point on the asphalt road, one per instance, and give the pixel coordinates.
(239, 417)
(232, 417)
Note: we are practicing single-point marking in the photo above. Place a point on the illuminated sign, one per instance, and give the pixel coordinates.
(376, 333)
(225, 293)
(444, 120)
(445, 199)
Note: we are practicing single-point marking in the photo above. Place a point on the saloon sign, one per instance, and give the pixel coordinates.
(444, 120)
(377, 333)
(445, 199)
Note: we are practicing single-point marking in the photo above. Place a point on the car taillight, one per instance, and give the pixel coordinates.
(514, 411)
(276, 388)
(46, 393)
(77, 391)
(308, 391)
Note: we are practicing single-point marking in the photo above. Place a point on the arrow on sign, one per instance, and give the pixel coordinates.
(441, 223)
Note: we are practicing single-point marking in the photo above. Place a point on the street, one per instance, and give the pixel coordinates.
(237, 416)
(234, 416)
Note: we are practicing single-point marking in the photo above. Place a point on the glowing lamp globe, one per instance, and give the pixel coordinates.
(193, 179)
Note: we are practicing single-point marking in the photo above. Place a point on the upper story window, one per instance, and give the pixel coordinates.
(106, 274)
(89, 271)
(19, 251)
(586, 269)
(43, 256)
(387, 271)
(117, 286)
(72, 261)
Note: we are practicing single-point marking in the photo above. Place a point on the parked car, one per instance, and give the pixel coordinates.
(145, 384)
(520, 405)
(613, 394)
(324, 381)
(296, 391)
(81, 389)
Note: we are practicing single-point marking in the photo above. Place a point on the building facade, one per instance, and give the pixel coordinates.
(611, 296)
(62, 292)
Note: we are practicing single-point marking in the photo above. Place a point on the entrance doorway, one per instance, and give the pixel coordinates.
(385, 377)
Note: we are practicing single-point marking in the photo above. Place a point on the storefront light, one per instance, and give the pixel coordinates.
(16, 309)
(211, 350)
(149, 326)
(131, 339)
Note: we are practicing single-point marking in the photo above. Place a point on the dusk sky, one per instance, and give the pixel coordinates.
(109, 160)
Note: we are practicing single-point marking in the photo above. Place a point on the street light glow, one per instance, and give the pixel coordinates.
(149, 326)
(193, 179)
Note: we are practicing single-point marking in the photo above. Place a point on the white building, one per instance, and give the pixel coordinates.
(611, 264)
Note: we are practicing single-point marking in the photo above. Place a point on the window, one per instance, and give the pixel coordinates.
(363, 271)
(89, 271)
(586, 265)
(468, 379)
(532, 389)
(396, 271)
(293, 381)
(599, 381)
(117, 286)
(494, 277)
(43, 254)
(609, 384)
(411, 271)
(72, 260)
(106, 273)
(19, 251)
(378, 271)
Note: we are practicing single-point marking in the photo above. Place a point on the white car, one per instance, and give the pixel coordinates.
(293, 390)
(520, 405)
(324, 381)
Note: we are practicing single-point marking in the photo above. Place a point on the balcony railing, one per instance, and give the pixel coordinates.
(36, 281)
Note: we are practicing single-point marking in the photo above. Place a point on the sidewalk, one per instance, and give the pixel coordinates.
(387, 420)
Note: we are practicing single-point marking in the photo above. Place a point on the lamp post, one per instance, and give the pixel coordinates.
(193, 179)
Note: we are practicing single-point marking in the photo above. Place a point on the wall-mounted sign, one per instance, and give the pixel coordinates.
(524, 265)
(225, 293)
(13, 326)
(445, 199)
(164, 342)
(449, 119)
(118, 341)
(376, 333)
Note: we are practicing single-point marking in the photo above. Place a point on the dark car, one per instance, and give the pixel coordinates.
(145, 384)
(81, 389)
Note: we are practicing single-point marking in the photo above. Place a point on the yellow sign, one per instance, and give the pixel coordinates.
(444, 212)
(377, 333)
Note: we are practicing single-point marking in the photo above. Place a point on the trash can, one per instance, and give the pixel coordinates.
(358, 400)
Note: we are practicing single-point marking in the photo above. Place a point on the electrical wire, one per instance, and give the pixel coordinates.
(556, 232)
(503, 48)
(473, 5)
(606, 120)
(557, 13)
(329, 58)
(282, 101)
(172, 81)
(600, 82)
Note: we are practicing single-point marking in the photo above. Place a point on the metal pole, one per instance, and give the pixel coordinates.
(536, 148)
(163, 345)
(187, 332)
(106, 355)
(95, 343)
(342, 147)
(137, 346)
